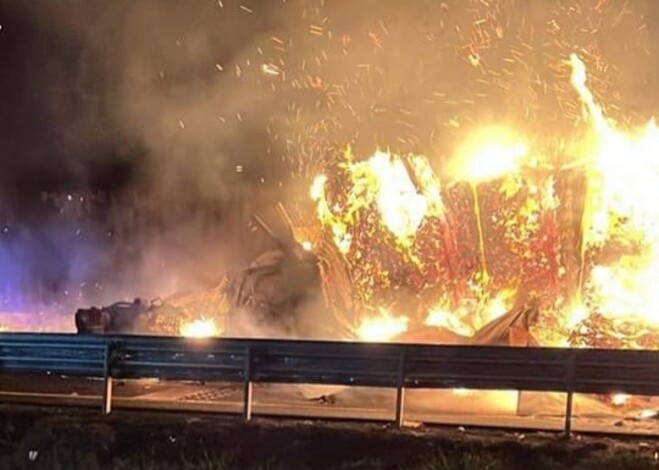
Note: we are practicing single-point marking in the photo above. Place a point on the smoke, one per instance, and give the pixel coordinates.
(191, 116)
(142, 100)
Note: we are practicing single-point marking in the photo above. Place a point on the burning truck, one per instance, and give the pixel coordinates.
(515, 242)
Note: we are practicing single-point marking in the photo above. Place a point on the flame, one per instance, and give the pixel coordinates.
(405, 240)
(576, 315)
(490, 154)
(452, 320)
(383, 327)
(621, 209)
(620, 399)
(404, 190)
(647, 414)
(201, 328)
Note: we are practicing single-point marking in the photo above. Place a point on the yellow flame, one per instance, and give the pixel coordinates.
(384, 327)
(621, 207)
(201, 328)
(471, 314)
(620, 399)
(404, 190)
(393, 195)
(576, 314)
(451, 320)
(647, 414)
(489, 154)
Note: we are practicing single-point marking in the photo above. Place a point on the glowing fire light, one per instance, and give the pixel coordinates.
(469, 317)
(384, 327)
(390, 203)
(444, 318)
(201, 328)
(405, 190)
(647, 414)
(620, 399)
(490, 154)
(621, 208)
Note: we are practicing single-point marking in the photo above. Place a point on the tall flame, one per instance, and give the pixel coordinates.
(383, 327)
(621, 210)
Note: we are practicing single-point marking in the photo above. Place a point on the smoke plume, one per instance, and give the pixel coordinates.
(140, 135)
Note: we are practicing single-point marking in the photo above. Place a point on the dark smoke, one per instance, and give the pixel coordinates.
(126, 99)
(157, 119)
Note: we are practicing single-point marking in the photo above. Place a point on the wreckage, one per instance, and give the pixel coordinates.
(129, 318)
(273, 297)
(284, 293)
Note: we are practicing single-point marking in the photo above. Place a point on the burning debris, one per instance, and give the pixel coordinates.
(200, 314)
(402, 256)
(513, 242)
(449, 256)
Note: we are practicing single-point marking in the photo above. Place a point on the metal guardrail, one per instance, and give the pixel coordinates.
(399, 366)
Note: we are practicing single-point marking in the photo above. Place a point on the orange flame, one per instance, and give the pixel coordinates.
(201, 328)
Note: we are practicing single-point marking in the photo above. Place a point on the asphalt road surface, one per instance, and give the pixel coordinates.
(501, 409)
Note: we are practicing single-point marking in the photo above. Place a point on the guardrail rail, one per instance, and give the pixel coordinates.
(391, 365)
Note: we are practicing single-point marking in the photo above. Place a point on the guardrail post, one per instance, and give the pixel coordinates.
(247, 391)
(400, 390)
(567, 431)
(106, 405)
(568, 414)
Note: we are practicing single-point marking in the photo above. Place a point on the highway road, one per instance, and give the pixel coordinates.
(502, 409)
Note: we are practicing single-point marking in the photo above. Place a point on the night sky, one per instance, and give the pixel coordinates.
(67, 79)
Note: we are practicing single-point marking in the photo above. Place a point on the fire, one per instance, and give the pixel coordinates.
(459, 253)
(451, 320)
(404, 190)
(621, 216)
(647, 414)
(490, 154)
(620, 399)
(469, 316)
(383, 327)
(201, 328)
